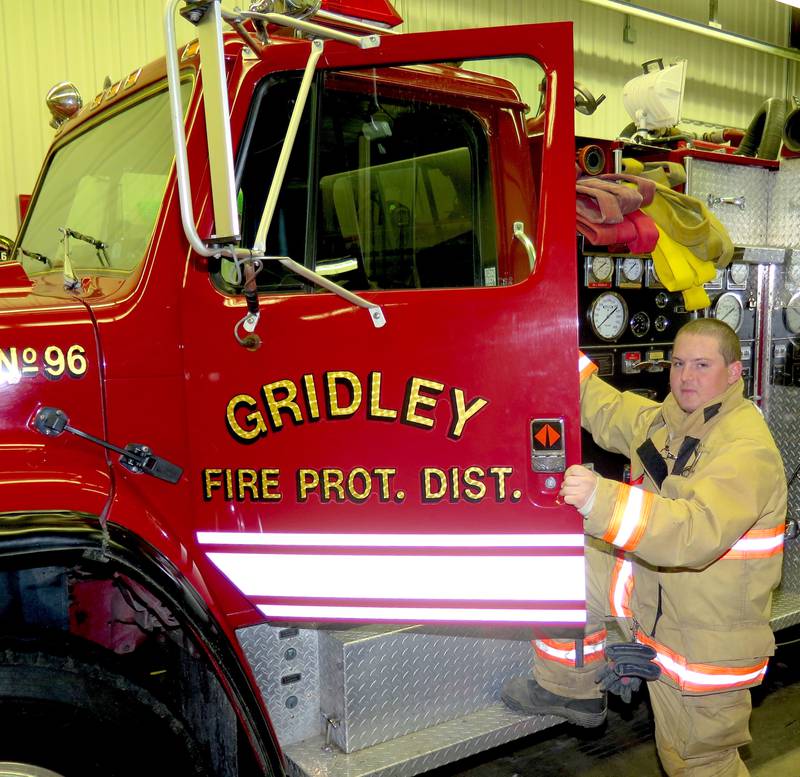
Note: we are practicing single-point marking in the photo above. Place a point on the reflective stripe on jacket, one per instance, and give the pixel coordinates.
(703, 536)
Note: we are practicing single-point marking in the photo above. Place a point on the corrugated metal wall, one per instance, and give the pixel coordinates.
(44, 41)
(725, 84)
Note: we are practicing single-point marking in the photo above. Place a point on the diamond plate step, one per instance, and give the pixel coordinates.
(383, 682)
(785, 609)
(418, 752)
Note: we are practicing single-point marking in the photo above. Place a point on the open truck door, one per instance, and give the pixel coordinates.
(393, 451)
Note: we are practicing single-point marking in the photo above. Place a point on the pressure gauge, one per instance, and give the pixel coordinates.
(717, 283)
(661, 323)
(640, 323)
(608, 315)
(737, 275)
(728, 308)
(632, 270)
(602, 268)
(662, 299)
(652, 280)
(791, 314)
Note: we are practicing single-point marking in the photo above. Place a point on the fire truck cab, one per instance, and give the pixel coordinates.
(308, 376)
(288, 370)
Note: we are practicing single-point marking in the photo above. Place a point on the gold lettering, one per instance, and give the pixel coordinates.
(463, 412)
(310, 391)
(385, 474)
(257, 426)
(332, 480)
(499, 474)
(247, 480)
(375, 409)
(349, 381)
(366, 479)
(287, 403)
(228, 485)
(474, 489)
(209, 483)
(429, 474)
(307, 480)
(455, 483)
(268, 482)
(414, 399)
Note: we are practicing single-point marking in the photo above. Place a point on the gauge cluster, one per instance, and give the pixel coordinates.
(732, 295)
(629, 319)
(785, 324)
(625, 302)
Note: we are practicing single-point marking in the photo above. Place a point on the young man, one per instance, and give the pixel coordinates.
(688, 557)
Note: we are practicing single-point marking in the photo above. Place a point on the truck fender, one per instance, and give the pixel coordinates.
(69, 539)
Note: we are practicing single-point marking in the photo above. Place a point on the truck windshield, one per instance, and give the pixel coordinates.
(107, 183)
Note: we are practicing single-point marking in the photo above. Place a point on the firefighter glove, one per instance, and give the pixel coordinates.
(628, 663)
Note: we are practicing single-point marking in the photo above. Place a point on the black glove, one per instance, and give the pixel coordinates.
(628, 664)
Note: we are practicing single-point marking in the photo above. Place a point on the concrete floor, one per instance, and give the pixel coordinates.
(624, 746)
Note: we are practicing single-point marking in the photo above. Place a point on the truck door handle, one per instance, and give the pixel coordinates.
(137, 458)
(530, 248)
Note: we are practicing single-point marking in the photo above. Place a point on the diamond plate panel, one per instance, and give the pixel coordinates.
(418, 752)
(286, 667)
(783, 228)
(746, 225)
(783, 416)
(382, 683)
(785, 610)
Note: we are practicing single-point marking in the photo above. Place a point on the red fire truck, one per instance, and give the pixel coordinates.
(288, 381)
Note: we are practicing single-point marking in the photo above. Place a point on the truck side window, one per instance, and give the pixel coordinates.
(388, 186)
(107, 184)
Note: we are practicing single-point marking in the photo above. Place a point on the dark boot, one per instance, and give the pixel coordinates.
(526, 695)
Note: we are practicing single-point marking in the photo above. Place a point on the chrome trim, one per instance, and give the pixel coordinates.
(530, 248)
(260, 242)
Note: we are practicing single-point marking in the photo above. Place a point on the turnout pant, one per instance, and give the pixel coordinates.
(696, 735)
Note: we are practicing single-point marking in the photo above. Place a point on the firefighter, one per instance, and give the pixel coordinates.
(686, 557)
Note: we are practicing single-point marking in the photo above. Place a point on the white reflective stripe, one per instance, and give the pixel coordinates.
(479, 578)
(690, 676)
(583, 362)
(752, 545)
(620, 596)
(630, 516)
(393, 540)
(569, 654)
(471, 615)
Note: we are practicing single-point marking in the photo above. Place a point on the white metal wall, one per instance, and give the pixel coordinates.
(725, 84)
(44, 41)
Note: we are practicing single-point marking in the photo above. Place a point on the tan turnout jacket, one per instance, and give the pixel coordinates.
(701, 525)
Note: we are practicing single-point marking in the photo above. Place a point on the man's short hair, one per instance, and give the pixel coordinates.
(726, 338)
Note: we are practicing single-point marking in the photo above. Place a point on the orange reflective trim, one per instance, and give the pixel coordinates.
(644, 514)
(616, 515)
(629, 517)
(621, 588)
(701, 678)
(757, 543)
(565, 652)
(585, 366)
(569, 644)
